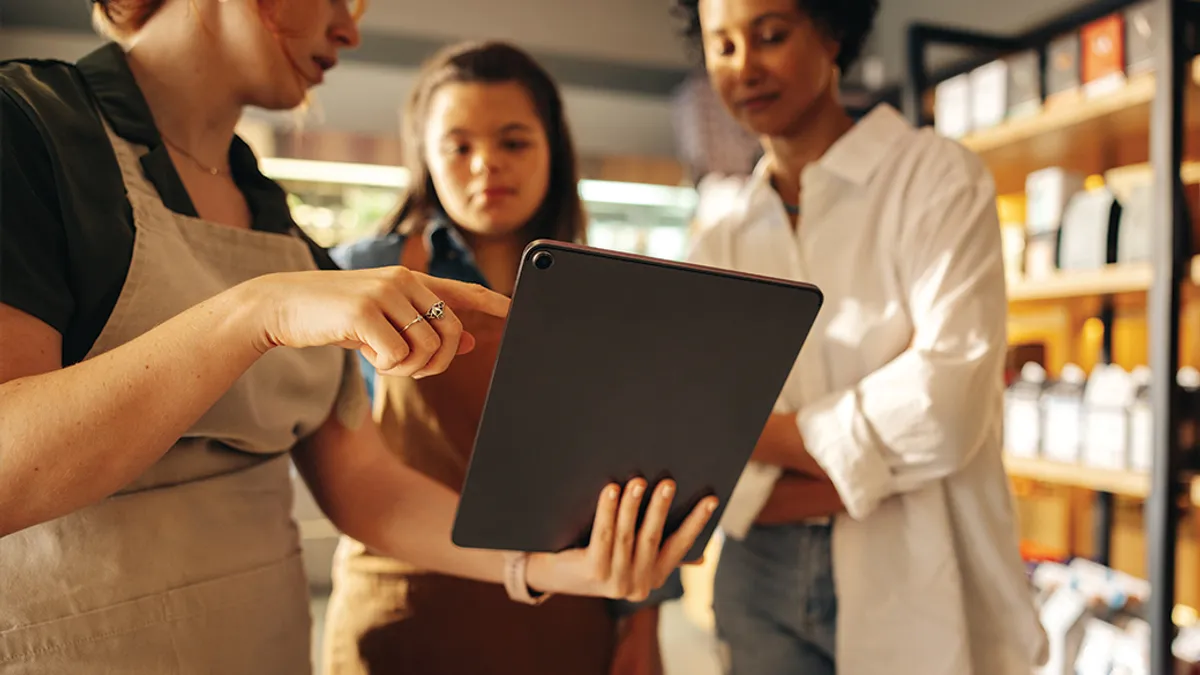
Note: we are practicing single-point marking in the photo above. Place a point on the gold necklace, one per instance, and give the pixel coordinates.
(212, 170)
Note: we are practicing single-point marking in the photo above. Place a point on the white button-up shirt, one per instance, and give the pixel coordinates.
(898, 394)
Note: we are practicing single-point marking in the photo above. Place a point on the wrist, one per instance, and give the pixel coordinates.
(537, 573)
(516, 581)
(244, 309)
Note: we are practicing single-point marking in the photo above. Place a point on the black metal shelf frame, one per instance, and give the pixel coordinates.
(1170, 259)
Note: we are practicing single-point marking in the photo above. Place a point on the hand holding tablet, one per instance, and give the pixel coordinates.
(616, 369)
(622, 561)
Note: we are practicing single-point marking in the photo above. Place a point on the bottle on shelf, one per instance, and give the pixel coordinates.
(1062, 415)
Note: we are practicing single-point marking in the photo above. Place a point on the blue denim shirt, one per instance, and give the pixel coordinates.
(451, 258)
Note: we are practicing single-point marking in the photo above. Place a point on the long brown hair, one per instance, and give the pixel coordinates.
(561, 215)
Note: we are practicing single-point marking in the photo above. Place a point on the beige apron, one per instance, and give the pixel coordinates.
(195, 566)
(389, 616)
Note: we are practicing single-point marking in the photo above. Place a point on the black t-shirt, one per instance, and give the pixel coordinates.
(66, 227)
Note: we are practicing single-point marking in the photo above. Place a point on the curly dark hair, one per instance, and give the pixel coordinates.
(848, 22)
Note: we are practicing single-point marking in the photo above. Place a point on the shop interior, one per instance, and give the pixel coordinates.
(1066, 103)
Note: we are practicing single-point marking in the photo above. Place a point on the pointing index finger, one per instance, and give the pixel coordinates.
(462, 296)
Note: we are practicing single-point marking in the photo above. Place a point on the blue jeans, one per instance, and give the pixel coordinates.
(774, 600)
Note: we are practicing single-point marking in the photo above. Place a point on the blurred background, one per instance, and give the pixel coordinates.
(1035, 87)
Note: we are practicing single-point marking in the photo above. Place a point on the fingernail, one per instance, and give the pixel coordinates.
(711, 506)
(638, 489)
(611, 492)
(667, 491)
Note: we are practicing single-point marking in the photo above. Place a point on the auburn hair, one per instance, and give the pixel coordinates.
(122, 18)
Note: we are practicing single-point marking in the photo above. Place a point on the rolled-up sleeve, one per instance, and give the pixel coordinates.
(925, 414)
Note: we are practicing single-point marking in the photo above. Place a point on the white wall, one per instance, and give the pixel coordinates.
(366, 98)
(634, 31)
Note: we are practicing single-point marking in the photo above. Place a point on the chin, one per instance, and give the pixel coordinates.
(281, 98)
(493, 227)
(786, 120)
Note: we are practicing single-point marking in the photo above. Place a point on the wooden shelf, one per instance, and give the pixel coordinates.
(1111, 280)
(1088, 135)
(1125, 483)
(1138, 91)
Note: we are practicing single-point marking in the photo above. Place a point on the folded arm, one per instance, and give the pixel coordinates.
(925, 414)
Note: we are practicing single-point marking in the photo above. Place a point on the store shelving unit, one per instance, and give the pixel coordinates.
(1123, 483)
(1142, 122)
(1111, 280)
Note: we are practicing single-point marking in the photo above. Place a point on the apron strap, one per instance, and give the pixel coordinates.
(129, 159)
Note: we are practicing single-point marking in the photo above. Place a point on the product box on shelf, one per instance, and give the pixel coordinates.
(1062, 416)
(952, 107)
(1041, 255)
(1141, 418)
(1011, 209)
(1063, 78)
(1141, 423)
(1024, 84)
(989, 94)
(1023, 412)
(1090, 228)
(1103, 61)
(1094, 619)
(1137, 225)
(1108, 398)
(1047, 192)
(1141, 30)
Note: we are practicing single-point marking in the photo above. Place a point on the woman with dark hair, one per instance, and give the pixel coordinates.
(874, 532)
(492, 168)
(169, 340)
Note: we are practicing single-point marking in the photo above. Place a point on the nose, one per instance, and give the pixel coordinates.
(485, 160)
(344, 30)
(745, 64)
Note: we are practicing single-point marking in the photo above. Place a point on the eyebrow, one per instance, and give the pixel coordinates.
(510, 127)
(756, 21)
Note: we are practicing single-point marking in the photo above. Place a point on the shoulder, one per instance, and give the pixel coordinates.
(44, 89)
(928, 165)
(375, 251)
(50, 103)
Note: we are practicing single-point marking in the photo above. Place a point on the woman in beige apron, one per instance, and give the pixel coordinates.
(483, 118)
(144, 493)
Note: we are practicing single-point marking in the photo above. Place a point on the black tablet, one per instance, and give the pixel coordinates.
(614, 366)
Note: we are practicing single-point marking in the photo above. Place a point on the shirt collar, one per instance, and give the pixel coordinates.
(108, 76)
(445, 242)
(858, 153)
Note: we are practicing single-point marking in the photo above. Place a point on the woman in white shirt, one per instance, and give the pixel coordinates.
(874, 532)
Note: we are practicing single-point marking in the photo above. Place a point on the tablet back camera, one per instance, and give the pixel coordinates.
(543, 260)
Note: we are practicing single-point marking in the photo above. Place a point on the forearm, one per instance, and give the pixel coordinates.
(782, 445)
(797, 497)
(389, 507)
(73, 436)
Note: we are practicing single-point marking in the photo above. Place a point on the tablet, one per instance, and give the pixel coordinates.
(613, 366)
